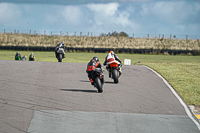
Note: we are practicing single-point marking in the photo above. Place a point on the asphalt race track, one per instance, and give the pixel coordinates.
(52, 97)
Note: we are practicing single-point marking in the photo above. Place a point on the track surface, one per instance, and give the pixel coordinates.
(55, 97)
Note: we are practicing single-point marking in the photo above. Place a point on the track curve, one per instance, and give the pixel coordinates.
(34, 90)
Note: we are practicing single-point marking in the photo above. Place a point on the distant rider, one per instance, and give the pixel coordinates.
(24, 58)
(109, 59)
(17, 56)
(94, 63)
(31, 57)
(60, 45)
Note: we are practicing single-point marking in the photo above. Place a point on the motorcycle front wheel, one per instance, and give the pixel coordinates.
(60, 58)
(98, 84)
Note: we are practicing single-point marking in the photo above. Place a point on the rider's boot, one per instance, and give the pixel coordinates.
(103, 78)
(92, 82)
(120, 71)
(109, 74)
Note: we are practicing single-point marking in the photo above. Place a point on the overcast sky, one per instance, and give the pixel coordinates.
(141, 17)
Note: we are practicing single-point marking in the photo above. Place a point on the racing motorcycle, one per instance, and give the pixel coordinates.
(98, 78)
(114, 70)
(24, 58)
(60, 52)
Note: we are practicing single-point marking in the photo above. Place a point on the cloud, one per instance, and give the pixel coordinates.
(9, 13)
(167, 16)
(171, 12)
(68, 2)
(130, 16)
(106, 9)
(70, 15)
(107, 15)
(102, 13)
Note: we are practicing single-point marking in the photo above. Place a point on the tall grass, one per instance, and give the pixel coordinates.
(9, 39)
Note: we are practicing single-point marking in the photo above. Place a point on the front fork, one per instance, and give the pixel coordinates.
(102, 78)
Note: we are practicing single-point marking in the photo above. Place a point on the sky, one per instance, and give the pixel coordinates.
(138, 17)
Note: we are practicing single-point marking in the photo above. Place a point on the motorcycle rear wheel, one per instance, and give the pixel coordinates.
(98, 84)
(115, 76)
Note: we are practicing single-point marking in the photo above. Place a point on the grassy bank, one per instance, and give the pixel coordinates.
(182, 72)
(8, 39)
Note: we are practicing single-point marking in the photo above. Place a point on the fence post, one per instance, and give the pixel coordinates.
(30, 32)
(148, 36)
(159, 36)
(170, 36)
(4, 31)
(67, 33)
(91, 34)
(88, 34)
(80, 34)
(163, 36)
(15, 31)
(51, 33)
(34, 32)
(60, 33)
(186, 37)
(44, 32)
(75, 33)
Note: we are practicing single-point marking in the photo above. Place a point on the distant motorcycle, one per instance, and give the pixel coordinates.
(24, 58)
(60, 52)
(114, 69)
(98, 78)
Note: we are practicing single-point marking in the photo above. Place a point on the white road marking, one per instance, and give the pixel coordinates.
(49, 121)
(180, 99)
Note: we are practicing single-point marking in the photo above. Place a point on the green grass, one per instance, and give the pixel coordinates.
(182, 72)
(183, 77)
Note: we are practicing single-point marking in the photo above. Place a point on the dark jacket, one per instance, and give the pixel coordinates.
(92, 65)
(59, 45)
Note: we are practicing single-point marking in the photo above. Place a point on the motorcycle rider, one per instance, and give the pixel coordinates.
(94, 63)
(24, 58)
(17, 56)
(109, 58)
(60, 45)
(31, 57)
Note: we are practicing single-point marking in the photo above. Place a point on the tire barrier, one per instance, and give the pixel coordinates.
(105, 50)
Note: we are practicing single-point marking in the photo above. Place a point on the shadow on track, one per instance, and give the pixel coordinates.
(109, 82)
(78, 90)
(84, 80)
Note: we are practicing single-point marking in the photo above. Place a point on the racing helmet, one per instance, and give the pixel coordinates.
(112, 52)
(62, 43)
(96, 59)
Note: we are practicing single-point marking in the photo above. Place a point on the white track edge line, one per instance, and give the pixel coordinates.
(177, 96)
